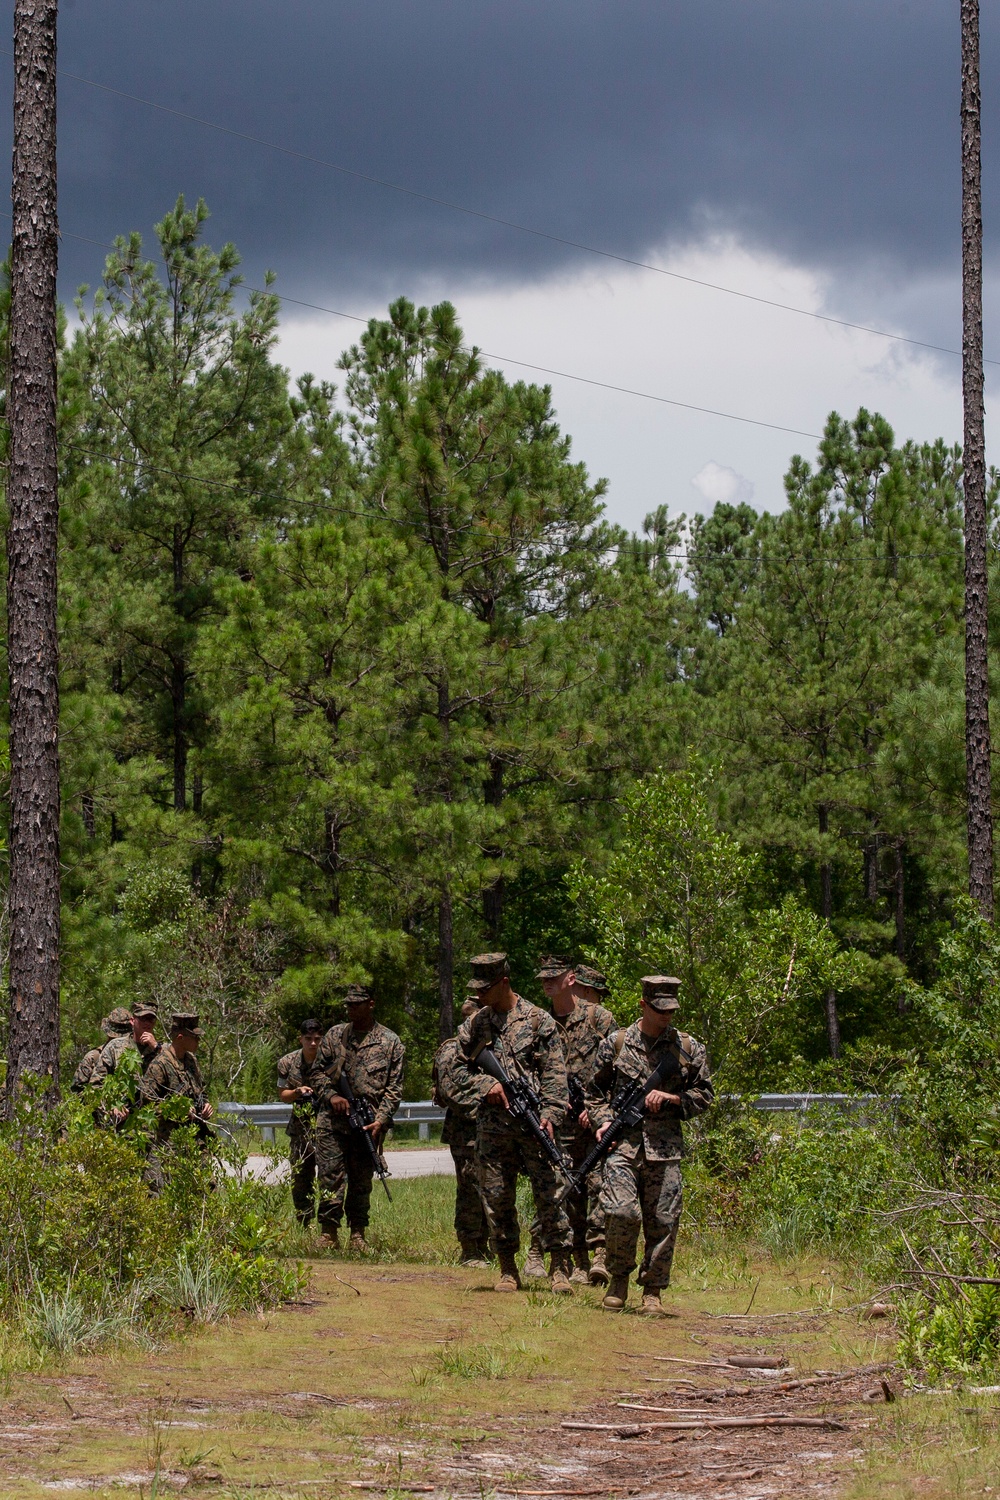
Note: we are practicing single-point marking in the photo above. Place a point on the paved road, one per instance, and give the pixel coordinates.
(430, 1163)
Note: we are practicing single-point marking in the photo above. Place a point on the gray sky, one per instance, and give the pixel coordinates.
(806, 153)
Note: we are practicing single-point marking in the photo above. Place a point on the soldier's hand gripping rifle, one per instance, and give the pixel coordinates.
(360, 1114)
(629, 1109)
(524, 1104)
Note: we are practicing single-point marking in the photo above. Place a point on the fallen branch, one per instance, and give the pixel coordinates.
(353, 1289)
(388, 1484)
(767, 1365)
(633, 1429)
(316, 1396)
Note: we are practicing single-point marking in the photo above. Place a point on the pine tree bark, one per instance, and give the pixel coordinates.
(446, 968)
(826, 903)
(32, 490)
(977, 714)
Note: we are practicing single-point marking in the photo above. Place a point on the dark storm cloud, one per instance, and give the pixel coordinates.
(826, 131)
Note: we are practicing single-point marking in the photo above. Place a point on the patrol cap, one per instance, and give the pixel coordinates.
(144, 1009)
(660, 991)
(469, 1007)
(118, 1022)
(357, 994)
(487, 970)
(186, 1020)
(311, 1027)
(553, 965)
(592, 978)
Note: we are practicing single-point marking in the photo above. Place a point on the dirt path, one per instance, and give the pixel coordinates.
(420, 1379)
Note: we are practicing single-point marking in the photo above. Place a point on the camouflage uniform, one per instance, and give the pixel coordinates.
(294, 1073)
(581, 1033)
(642, 1174)
(526, 1044)
(452, 1089)
(84, 1071)
(168, 1077)
(373, 1066)
(111, 1055)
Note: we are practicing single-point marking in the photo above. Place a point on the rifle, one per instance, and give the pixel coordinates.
(359, 1115)
(629, 1109)
(524, 1104)
(577, 1103)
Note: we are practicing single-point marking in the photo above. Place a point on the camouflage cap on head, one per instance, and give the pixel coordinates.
(357, 994)
(592, 978)
(185, 1020)
(118, 1022)
(487, 970)
(553, 965)
(312, 1027)
(660, 991)
(144, 1009)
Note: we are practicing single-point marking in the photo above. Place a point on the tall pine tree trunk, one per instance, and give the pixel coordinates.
(446, 934)
(977, 712)
(32, 538)
(493, 791)
(826, 903)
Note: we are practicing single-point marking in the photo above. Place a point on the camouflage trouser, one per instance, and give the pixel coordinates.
(641, 1194)
(586, 1216)
(302, 1159)
(505, 1150)
(344, 1166)
(470, 1217)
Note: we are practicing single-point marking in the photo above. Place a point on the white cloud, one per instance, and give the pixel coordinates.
(672, 339)
(718, 484)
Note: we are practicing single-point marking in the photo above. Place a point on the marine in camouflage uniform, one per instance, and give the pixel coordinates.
(118, 1023)
(370, 1056)
(642, 1174)
(297, 1086)
(452, 1090)
(526, 1044)
(174, 1073)
(582, 1024)
(124, 1040)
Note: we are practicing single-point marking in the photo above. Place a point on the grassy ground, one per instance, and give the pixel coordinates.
(404, 1371)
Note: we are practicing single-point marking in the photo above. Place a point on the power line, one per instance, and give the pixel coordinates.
(488, 218)
(524, 364)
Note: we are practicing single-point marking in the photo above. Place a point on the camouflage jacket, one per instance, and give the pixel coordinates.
(85, 1069)
(165, 1078)
(295, 1073)
(372, 1064)
(111, 1055)
(581, 1033)
(453, 1091)
(526, 1043)
(660, 1134)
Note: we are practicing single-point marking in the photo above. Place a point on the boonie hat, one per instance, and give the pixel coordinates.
(118, 1022)
(186, 1020)
(592, 978)
(487, 970)
(357, 994)
(660, 991)
(553, 965)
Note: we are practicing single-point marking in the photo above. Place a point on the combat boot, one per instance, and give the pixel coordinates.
(329, 1240)
(473, 1258)
(581, 1268)
(598, 1269)
(534, 1263)
(616, 1295)
(358, 1244)
(651, 1304)
(509, 1281)
(561, 1265)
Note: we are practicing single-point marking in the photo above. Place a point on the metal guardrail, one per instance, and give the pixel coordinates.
(267, 1117)
(422, 1113)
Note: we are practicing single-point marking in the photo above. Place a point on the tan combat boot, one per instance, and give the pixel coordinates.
(580, 1275)
(358, 1244)
(561, 1266)
(509, 1281)
(616, 1295)
(534, 1263)
(651, 1304)
(329, 1240)
(598, 1270)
